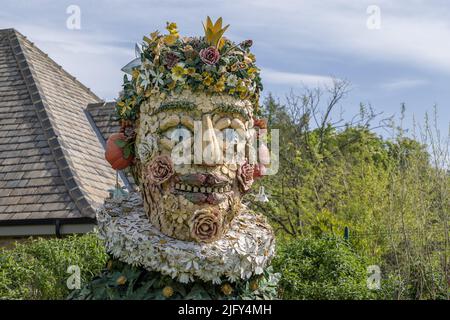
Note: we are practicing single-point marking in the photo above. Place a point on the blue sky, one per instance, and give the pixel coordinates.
(296, 43)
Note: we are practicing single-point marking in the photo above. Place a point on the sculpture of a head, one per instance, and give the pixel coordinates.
(188, 117)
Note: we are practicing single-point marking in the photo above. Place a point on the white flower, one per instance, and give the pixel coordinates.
(216, 280)
(145, 79)
(192, 264)
(232, 80)
(232, 277)
(244, 251)
(157, 78)
(184, 278)
(146, 148)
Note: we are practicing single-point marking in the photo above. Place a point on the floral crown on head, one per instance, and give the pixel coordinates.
(170, 63)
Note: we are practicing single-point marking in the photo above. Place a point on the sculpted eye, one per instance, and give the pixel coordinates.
(222, 123)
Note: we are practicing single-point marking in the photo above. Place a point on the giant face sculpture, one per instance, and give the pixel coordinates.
(193, 162)
(187, 117)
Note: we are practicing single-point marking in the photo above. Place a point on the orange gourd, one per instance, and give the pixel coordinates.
(114, 154)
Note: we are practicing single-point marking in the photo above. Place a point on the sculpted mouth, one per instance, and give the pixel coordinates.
(189, 188)
(203, 188)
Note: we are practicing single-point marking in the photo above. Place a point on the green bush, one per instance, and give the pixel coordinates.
(38, 269)
(324, 268)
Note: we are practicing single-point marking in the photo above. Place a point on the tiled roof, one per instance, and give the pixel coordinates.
(103, 116)
(51, 161)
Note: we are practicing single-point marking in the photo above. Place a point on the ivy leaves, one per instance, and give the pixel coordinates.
(123, 281)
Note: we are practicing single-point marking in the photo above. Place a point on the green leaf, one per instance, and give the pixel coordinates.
(126, 152)
(120, 143)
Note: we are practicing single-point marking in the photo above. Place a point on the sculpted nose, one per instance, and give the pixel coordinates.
(212, 154)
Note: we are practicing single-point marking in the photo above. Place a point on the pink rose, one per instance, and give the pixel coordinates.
(159, 170)
(206, 225)
(210, 55)
(245, 176)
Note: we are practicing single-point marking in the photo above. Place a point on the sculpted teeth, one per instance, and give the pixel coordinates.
(184, 187)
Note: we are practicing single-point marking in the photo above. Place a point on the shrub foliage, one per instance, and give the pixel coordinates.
(37, 269)
(325, 268)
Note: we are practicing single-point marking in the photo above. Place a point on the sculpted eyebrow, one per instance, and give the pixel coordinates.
(176, 105)
(230, 108)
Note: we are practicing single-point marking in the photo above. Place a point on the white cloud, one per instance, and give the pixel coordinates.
(413, 33)
(294, 79)
(332, 33)
(94, 59)
(399, 84)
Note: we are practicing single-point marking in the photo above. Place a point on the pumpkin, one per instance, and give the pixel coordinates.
(114, 153)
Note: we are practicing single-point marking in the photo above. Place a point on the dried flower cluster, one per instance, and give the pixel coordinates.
(170, 64)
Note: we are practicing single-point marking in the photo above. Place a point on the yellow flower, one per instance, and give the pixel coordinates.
(121, 280)
(214, 32)
(251, 71)
(171, 85)
(167, 291)
(232, 91)
(178, 72)
(172, 28)
(124, 109)
(207, 79)
(170, 39)
(241, 87)
(234, 67)
(173, 35)
(135, 73)
(219, 86)
(226, 289)
(191, 71)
